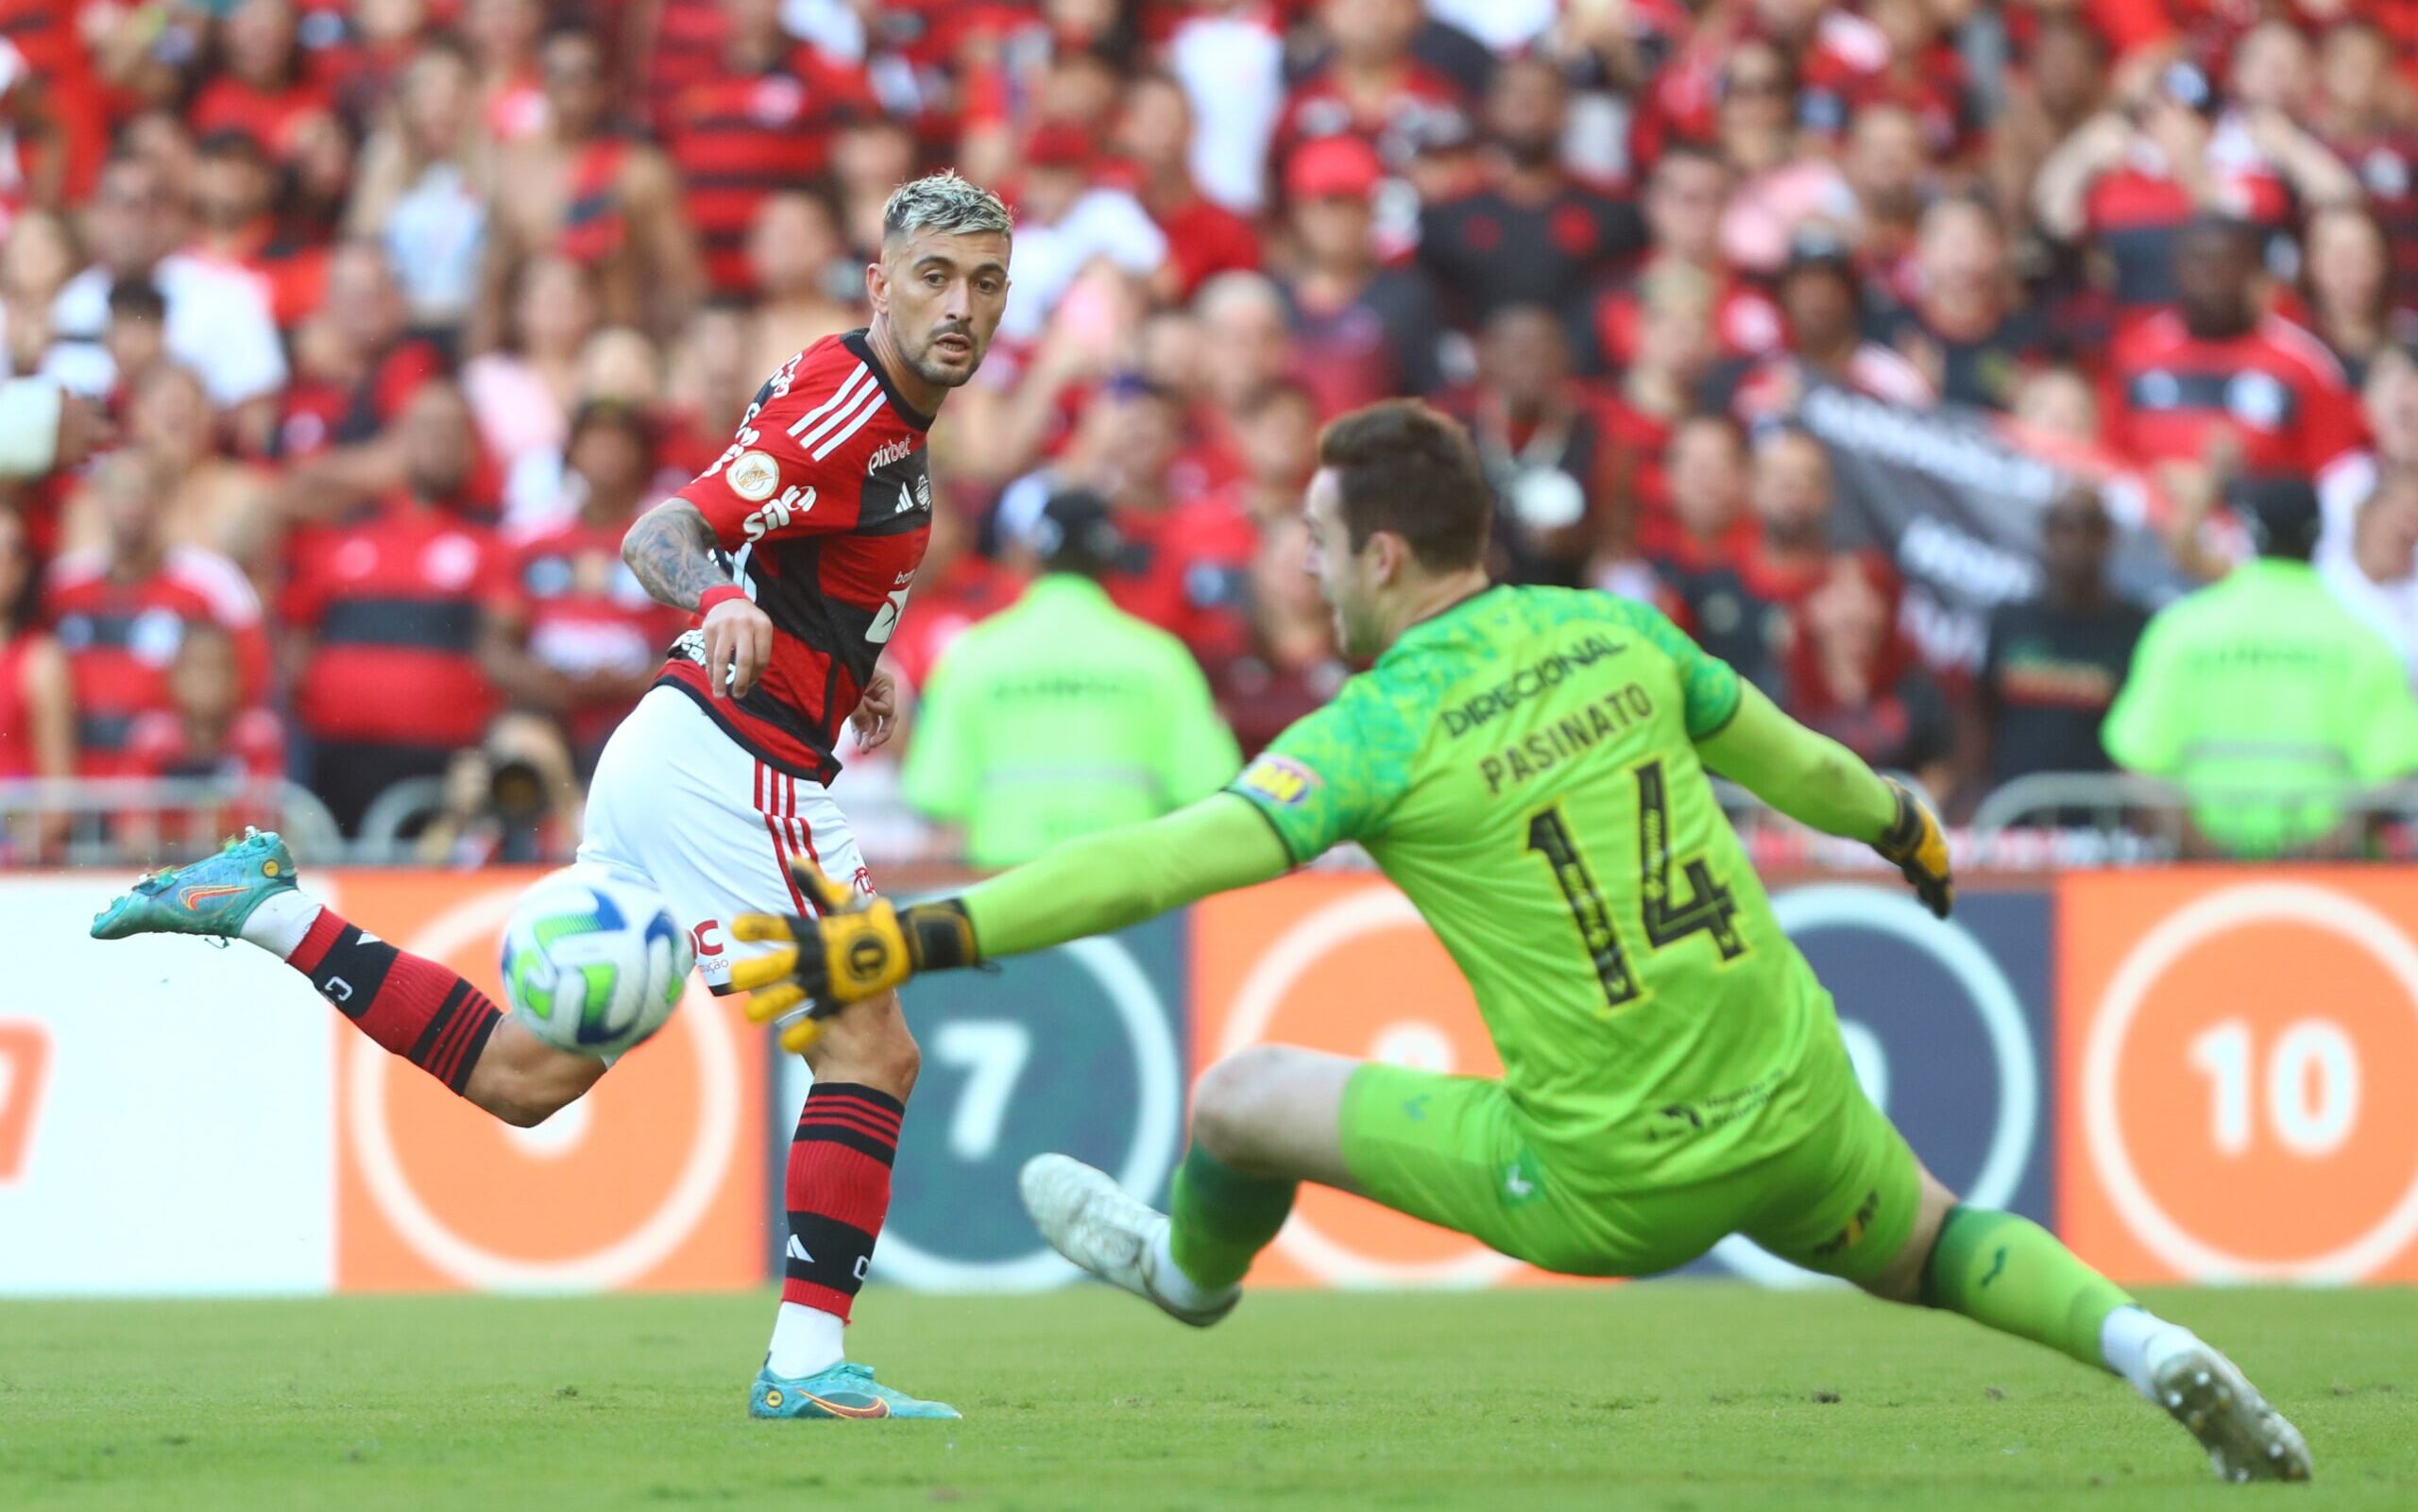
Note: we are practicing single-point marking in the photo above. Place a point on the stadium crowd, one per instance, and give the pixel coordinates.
(402, 309)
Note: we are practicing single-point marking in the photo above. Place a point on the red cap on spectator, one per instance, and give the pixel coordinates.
(1060, 145)
(1332, 168)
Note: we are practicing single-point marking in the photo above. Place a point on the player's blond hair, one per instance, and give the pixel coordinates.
(945, 203)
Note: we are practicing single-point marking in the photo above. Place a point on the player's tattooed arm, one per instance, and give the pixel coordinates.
(673, 552)
(675, 558)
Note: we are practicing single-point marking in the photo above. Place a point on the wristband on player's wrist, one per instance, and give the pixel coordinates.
(940, 936)
(720, 594)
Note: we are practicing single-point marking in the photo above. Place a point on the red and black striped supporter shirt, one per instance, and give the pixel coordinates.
(120, 636)
(824, 503)
(2276, 388)
(739, 137)
(391, 602)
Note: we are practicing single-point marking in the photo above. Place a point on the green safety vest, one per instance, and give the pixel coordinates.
(1062, 716)
(2269, 702)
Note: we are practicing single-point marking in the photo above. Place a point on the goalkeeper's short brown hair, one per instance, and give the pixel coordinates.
(1404, 468)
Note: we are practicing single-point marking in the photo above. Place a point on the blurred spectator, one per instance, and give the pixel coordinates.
(582, 187)
(1062, 716)
(120, 609)
(137, 340)
(2356, 113)
(1371, 85)
(1821, 301)
(1363, 331)
(1775, 187)
(1700, 559)
(1543, 449)
(208, 731)
(523, 392)
(234, 199)
(38, 258)
(210, 727)
(201, 498)
(1888, 170)
(2128, 183)
(1967, 327)
(356, 368)
(2214, 385)
(218, 323)
(264, 94)
(1740, 606)
(37, 693)
(760, 122)
(2346, 276)
(1658, 387)
(2060, 86)
(1203, 237)
(1230, 58)
(1533, 235)
(1064, 221)
(571, 634)
(381, 612)
(425, 180)
(2266, 699)
(1851, 675)
(1682, 206)
(2372, 566)
(509, 799)
(1290, 666)
(2052, 664)
(1245, 345)
(1278, 431)
(808, 287)
(503, 36)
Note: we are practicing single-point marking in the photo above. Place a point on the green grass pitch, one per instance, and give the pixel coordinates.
(1678, 1398)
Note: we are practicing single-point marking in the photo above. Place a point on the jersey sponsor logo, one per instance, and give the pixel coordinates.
(754, 476)
(1600, 719)
(1527, 683)
(888, 452)
(1279, 779)
(794, 501)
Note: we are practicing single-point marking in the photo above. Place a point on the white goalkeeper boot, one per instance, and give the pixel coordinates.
(2207, 1393)
(1087, 1217)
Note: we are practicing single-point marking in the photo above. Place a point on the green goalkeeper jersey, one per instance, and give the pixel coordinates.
(1524, 767)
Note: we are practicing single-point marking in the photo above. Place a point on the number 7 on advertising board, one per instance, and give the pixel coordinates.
(25, 1056)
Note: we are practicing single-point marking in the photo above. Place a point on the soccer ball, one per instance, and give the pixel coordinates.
(593, 962)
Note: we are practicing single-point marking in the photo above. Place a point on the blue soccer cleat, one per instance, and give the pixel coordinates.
(212, 897)
(845, 1390)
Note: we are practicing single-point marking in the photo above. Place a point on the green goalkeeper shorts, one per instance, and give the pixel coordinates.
(1457, 1153)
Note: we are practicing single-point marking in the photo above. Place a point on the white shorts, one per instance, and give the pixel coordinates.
(680, 805)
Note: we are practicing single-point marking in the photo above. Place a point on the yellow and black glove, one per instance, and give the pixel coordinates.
(1913, 841)
(855, 947)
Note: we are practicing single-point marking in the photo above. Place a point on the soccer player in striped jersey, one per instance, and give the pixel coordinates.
(797, 549)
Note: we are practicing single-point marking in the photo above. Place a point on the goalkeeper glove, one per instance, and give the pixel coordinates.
(1913, 841)
(855, 947)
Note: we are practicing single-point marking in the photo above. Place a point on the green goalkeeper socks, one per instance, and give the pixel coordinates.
(2012, 1275)
(1222, 1218)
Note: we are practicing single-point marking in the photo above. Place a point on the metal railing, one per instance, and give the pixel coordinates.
(152, 821)
(2054, 819)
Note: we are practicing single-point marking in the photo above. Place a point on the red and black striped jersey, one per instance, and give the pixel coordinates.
(824, 503)
(738, 136)
(120, 636)
(2275, 388)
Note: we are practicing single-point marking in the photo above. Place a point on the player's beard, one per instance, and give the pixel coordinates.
(928, 366)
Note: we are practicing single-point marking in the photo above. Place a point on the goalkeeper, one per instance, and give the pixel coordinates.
(1528, 765)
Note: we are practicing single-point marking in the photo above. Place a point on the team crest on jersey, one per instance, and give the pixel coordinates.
(754, 476)
(1279, 779)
